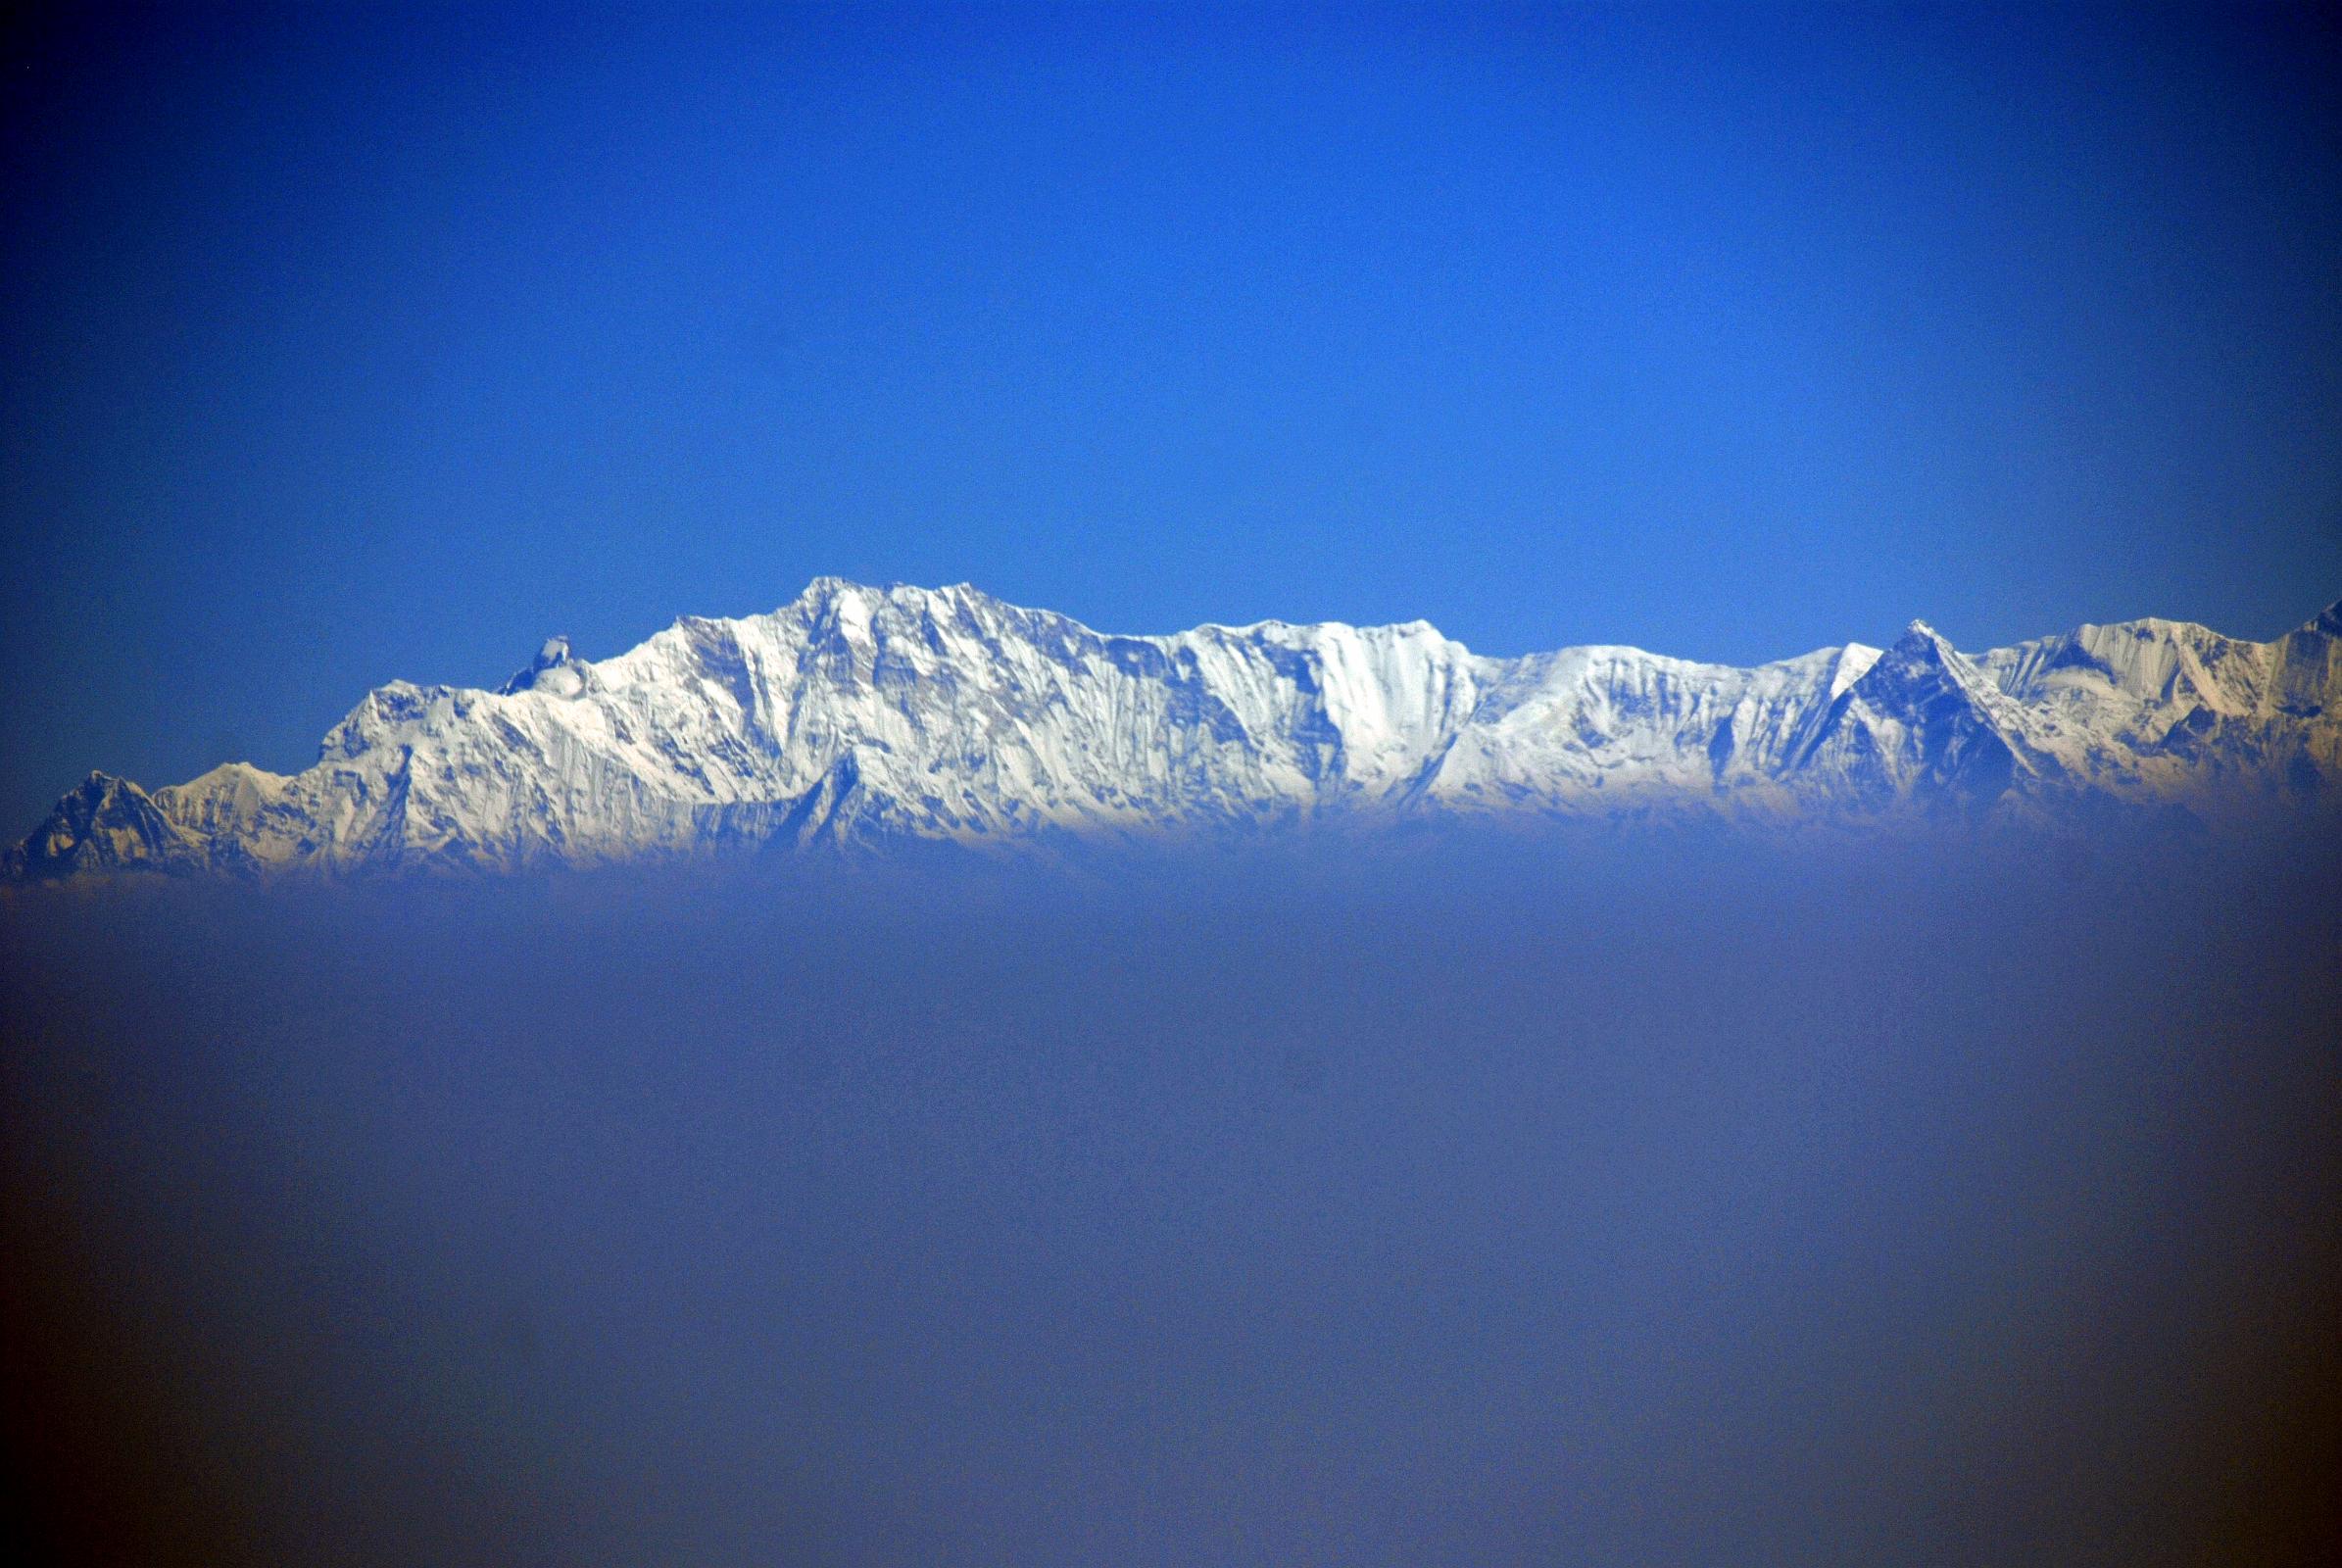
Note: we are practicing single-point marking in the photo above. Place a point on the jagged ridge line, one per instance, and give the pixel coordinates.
(902, 691)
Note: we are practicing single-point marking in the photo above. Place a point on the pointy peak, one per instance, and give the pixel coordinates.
(554, 655)
(1919, 657)
(824, 588)
(1920, 645)
(105, 823)
(101, 788)
(2327, 622)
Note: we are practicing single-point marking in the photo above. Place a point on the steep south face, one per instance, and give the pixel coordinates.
(1617, 731)
(858, 714)
(852, 714)
(949, 714)
(1923, 723)
(104, 825)
(2172, 710)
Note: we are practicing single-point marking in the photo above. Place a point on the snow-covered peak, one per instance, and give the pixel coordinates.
(554, 656)
(1850, 663)
(1920, 656)
(858, 714)
(105, 825)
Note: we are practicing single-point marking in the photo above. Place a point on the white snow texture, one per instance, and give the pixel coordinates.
(857, 717)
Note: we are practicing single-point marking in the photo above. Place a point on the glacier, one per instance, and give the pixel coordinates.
(856, 718)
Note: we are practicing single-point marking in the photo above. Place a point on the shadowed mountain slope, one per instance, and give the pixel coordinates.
(859, 716)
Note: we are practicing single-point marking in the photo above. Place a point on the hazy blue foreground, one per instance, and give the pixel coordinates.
(1655, 1203)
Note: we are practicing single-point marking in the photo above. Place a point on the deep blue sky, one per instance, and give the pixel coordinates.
(337, 346)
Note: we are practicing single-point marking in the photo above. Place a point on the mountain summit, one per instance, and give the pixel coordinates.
(861, 715)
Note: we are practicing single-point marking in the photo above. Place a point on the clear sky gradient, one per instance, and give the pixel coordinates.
(341, 345)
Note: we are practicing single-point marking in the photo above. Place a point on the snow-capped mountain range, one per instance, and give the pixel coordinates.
(859, 715)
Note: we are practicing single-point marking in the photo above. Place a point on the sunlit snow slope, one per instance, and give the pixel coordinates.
(859, 716)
